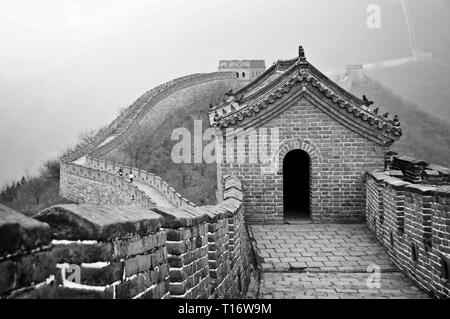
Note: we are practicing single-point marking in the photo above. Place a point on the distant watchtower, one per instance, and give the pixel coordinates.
(246, 70)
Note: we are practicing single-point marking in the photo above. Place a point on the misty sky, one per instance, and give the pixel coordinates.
(67, 66)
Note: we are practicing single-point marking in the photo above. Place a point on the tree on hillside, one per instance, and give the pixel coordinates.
(51, 170)
(35, 188)
(121, 110)
(10, 192)
(87, 136)
(67, 150)
(137, 147)
(7, 195)
(150, 146)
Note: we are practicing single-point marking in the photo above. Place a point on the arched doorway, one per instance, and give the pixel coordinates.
(296, 185)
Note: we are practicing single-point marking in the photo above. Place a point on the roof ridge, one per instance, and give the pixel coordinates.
(301, 71)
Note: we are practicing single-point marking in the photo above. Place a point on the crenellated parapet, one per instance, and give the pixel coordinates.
(245, 70)
(412, 221)
(418, 171)
(87, 185)
(140, 175)
(86, 178)
(138, 239)
(122, 252)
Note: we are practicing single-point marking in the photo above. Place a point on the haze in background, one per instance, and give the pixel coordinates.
(67, 66)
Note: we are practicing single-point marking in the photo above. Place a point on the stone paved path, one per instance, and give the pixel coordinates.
(156, 196)
(159, 198)
(326, 261)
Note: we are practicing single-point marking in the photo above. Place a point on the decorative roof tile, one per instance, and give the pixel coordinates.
(266, 90)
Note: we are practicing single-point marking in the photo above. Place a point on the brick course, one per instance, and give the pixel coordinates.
(130, 251)
(339, 158)
(415, 230)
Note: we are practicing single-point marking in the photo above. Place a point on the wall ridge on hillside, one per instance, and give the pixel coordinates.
(146, 177)
(155, 99)
(101, 136)
(85, 164)
(149, 96)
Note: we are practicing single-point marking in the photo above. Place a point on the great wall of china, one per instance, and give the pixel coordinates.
(145, 240)
(161, 246)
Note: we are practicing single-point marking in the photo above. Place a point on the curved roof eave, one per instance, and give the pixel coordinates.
(365, 121)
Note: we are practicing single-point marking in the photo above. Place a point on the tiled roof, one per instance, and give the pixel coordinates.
(263, 94)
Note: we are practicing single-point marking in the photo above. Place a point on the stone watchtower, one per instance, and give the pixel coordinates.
(246, 70)
(299, 143)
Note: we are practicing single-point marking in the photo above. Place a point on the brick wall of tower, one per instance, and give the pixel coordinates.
(339, 159)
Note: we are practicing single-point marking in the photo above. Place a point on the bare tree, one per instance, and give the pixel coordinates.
(87, 136)
(51, 169)
(67, 150)
(186, 175)
(35, 188)
(137, 146)
(121, 110)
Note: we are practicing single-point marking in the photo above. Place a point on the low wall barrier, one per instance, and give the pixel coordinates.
(412, 221)
(112, 251)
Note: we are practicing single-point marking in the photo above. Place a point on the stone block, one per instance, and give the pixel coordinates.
(19, 232)
(89, 222)
(137, 264)
(78, 252)
(138, 244)
(133, 286)
(25, 270)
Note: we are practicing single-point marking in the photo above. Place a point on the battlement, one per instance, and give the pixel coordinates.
(408, 209)
(114, 251)
(249, 64)
(140, 238)
(246, 70)
(138, 232)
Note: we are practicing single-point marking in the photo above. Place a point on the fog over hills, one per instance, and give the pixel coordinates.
(67, 66)
(424, 136)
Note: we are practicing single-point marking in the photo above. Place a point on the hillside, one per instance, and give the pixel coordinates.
(424, 135)
(424, 84)
(149, 147)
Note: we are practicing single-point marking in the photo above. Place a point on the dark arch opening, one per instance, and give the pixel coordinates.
(414, 255)
(296, 185)
(243, 74)
(444, 268)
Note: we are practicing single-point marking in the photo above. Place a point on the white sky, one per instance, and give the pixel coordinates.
(47, 13)
(49, 33)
